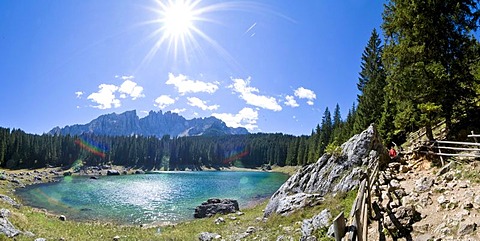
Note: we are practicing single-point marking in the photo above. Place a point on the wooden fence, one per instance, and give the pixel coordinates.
(360, 213)
(454, 148)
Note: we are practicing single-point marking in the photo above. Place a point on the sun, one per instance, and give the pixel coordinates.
(176, 28)
(178, 18)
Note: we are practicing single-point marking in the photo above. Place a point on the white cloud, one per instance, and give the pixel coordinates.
(247, 93)
(247, 117)
(79, 94)
(196, 102)
(184, 85)
(130, 88)
(303, 93)
(105, 97)
(163, 101)
(290, 101)
(178, 111)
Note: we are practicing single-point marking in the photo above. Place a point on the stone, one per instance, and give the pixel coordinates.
(404, 169)
(395, 184)
(219, 220)
(113, 172)
(214, 205)
(334, 173)
(40, 239)
(423, 184)
(62, 218)
(251, 229)
(442, 200)
(239, 213)
(9, 200)
(318, 221)
(6, 227)
(116, 238)
(94, 177)
(466, 228)
(67, 173)
(139, 172)
(206, 236)
(424, 237)
(291, 203)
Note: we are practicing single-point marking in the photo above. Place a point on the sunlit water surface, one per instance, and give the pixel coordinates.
(149, 198)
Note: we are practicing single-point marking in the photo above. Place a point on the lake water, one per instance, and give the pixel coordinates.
(149, 198)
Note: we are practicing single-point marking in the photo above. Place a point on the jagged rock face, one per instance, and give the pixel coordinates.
(154, 124)
(331, 174)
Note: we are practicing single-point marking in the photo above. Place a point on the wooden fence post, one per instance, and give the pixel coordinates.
(339, 226)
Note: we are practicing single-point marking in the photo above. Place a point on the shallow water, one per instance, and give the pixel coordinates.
(150, 198)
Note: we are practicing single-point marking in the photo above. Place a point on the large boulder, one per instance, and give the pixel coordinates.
(113, 172)
(214, 205)
(334, 173)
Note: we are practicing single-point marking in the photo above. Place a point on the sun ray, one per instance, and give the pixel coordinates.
(177, 32)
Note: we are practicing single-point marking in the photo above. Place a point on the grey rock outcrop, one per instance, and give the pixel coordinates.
(333, 173)
(214, 205)
(318, 221)
(9, 200)
(6, 227)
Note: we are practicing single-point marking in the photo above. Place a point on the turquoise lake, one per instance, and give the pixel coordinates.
(148, 198)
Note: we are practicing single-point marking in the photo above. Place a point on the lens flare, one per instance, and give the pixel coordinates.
(92, 146)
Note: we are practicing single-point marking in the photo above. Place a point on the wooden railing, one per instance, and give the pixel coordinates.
(454, 148)
(360, 213)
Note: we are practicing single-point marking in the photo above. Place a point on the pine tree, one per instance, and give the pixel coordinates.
(371, 84)
(427, 56)
(326, 131)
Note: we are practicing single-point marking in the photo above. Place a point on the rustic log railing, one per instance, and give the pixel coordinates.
(359, 214)
(454, 148)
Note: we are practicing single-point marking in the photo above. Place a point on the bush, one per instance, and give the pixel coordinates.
(333, 149)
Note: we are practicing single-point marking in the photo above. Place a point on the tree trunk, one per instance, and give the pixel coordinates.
(429, 132)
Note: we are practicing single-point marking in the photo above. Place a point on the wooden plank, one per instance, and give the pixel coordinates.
(458, 143)
(457, 148)
(339, 226)
(474, 135)
(447, 154)
(356, 204)
(358, 220)
(365, 224)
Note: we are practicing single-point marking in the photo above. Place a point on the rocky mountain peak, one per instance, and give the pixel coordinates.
(154, 124)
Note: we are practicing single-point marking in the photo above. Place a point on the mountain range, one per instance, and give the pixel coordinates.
(156, 124)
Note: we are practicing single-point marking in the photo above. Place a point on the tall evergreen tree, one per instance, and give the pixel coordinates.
(326, 131)
(371, 84)
(427, 56)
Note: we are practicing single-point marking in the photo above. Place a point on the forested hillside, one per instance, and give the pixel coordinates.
(21, 150)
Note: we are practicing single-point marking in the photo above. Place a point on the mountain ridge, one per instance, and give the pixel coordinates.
(156, 124)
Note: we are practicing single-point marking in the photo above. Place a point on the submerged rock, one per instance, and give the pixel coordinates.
(214, 205)
(333, 173)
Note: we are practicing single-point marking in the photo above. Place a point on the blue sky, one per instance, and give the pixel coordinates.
(270, 66)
